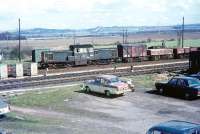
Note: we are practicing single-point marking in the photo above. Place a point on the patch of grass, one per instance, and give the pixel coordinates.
(52, 98)
(187, 43)
(143, 81)
(21, 123)
(147, 81)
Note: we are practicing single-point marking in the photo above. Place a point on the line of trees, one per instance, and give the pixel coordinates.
(9, 36)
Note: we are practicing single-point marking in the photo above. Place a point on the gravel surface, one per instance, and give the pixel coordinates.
(132, 113)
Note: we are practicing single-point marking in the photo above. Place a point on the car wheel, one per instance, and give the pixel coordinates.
(87, 89)
(107, 93)
(161, 91)
(187, 96)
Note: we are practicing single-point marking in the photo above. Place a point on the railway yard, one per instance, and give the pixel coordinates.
(53, 100)
(61, 78)
(99, 67)
(55, 103)
(49, 95)
(67, 109)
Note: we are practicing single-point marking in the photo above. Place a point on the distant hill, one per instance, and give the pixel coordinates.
(102, 31)
(10, 36)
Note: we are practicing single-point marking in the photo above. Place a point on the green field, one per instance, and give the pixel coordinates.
(169, 44)
(52, 98)
(47, 100)
(172, 44)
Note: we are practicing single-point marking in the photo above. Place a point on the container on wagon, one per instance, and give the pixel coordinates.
(15, 70)
(30, 69)
(3, 71)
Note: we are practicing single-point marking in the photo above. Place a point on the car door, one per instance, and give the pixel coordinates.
(102, 86)
(171, 86)
(95, 85)
(181, 87)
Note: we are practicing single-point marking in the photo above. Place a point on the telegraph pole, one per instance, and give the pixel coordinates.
(74, 38)
(19, 56)
(126, 36)
(183, 32)
(123, 36)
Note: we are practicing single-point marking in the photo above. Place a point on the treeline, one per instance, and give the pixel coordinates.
(9, 36)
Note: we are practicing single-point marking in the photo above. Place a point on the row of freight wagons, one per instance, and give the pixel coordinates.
(18, 70)
(128, 51)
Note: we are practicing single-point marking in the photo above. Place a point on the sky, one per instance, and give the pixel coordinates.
(81, 14)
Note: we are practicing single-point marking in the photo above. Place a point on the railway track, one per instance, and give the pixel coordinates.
(85, 75)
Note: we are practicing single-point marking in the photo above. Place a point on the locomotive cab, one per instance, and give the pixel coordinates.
(81, 54)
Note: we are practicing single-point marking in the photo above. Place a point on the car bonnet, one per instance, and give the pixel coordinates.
(119, 84)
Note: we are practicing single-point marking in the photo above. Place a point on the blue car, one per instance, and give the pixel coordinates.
(195, 76)
(175, 127)
(2, 132)
(186, 87)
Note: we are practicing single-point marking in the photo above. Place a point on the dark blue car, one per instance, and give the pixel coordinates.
(175, 127)
(195, 76)
(187, 87)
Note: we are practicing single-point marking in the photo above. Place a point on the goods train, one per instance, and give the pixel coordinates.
(86, 54)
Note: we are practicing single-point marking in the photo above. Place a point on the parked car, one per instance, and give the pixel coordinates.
(195, 76)
(129, 82)
(2, 132)
(106, 84)
(180, 85)
(4, 108)
(175, 127)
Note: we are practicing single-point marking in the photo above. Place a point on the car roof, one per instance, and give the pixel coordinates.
(184, 77)
(175, 126)
(107, 76)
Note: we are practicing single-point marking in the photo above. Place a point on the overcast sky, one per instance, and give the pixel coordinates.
(91, 13)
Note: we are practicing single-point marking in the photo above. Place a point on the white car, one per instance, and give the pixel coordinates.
(4, 108)
(106, 84)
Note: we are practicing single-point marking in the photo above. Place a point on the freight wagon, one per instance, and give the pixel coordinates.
(105, 55)
(132, 52)
(157, 54)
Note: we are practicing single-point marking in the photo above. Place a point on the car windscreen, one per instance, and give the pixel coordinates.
(193, 82)
(112, 80)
